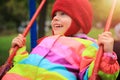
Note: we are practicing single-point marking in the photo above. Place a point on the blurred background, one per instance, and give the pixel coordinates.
(15, 15)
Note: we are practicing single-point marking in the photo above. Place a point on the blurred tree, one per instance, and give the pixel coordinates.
(12, 12)
(101, 10)
(116, 16)
(44, 17)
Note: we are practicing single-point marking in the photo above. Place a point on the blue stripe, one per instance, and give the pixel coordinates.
(86, 75)
(95, 45)
(39, 61)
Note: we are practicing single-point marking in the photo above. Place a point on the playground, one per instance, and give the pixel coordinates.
(32, 33)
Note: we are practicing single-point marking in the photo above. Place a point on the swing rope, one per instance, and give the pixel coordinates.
(8, 63)
(94, 75)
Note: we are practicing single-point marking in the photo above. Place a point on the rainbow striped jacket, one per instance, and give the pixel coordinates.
(62, 58)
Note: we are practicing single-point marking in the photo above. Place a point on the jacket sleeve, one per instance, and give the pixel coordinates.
(108, 69)
(20, 54)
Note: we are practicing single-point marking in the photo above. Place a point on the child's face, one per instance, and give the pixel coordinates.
(60, 23)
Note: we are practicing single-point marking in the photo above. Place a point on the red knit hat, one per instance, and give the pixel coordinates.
(79, 10)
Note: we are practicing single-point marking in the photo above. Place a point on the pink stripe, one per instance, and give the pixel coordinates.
(62, 48)
(12, 76)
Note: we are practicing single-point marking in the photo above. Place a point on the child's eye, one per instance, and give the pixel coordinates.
(62, 13)
(54, 15)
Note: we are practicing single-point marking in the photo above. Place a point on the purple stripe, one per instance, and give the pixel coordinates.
(56, 54)
(40, 51)
(55, 58)
(82, 73)
(50, 55)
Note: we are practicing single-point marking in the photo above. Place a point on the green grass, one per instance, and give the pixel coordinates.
(96, 31)
(5, 43)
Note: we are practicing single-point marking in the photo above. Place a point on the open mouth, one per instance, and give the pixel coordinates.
(56, 26)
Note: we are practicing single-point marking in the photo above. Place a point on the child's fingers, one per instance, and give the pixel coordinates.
(107, 40)
(107, 34)
(105, 37)
(18, 41)
(22, 37)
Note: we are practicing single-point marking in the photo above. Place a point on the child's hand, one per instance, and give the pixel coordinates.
(19, 41)
(107, 40)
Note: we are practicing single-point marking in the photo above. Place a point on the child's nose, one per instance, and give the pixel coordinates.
(56, 18)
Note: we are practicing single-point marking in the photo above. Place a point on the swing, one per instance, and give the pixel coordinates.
(94, 76)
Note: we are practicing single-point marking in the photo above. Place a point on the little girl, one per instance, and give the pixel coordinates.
(68, 54)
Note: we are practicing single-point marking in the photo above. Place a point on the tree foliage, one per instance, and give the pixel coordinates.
(102, 9)
(12, 12)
